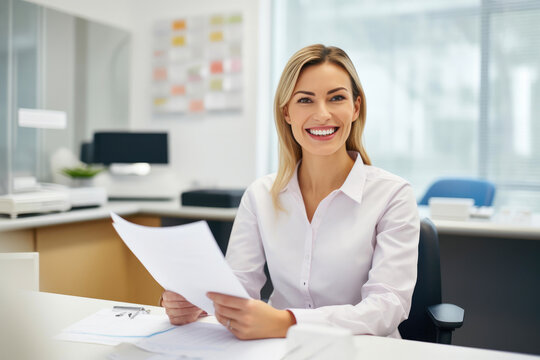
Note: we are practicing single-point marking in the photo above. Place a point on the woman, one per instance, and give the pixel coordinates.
(340, 236)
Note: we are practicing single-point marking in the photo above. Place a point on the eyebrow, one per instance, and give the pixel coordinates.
(313, 94)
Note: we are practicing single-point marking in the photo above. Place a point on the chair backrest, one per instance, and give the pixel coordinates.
(427, 291)
(19, 271)
(482, 191)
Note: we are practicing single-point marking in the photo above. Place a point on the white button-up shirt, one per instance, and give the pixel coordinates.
(353, 266)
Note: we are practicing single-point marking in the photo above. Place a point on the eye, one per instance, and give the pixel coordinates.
(304, 100)
(337, 98)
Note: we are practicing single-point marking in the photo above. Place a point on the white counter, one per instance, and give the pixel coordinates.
(474, 227)
(122, 208)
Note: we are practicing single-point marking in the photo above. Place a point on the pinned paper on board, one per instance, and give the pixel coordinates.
(197, 65)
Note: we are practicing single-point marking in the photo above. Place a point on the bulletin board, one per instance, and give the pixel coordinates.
(197, 65)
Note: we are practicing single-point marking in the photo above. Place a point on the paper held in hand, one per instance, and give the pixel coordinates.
(184, 259)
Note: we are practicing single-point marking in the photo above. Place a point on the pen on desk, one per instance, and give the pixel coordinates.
(133, 311)
(123, 308)
(132, 315)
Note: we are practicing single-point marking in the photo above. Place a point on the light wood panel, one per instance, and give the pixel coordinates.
(142, 286)
(89, 259)
(17, 241)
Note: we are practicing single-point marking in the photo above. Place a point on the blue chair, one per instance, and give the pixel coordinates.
(482, 191)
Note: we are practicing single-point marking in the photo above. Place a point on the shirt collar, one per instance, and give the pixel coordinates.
(353, 186)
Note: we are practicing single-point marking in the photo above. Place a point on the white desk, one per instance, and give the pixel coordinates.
(58, 311)
(474, 227)
(494, 227)
(485, 263)
(124, 208)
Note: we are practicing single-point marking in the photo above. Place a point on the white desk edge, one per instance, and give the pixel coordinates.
(483, 228)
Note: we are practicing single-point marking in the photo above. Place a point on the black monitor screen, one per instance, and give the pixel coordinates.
(130, 147)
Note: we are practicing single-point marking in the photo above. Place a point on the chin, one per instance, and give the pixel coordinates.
(322, 151)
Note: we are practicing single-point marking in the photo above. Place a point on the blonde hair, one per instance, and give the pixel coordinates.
(290, 151)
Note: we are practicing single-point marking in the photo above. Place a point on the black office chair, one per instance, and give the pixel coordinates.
(429, 320)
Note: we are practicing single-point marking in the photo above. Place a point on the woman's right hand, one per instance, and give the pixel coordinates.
(179, 310)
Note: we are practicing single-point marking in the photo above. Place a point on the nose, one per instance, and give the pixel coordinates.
(322, 113)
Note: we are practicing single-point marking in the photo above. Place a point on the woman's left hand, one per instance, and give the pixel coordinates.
(250, 319)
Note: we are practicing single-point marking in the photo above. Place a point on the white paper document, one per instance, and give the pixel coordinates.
(184, 259)
(112, 327)
(205, 340)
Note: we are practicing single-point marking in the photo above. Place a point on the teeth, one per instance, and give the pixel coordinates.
(322, 132)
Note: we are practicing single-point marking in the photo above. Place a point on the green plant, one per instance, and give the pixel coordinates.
(82, 172)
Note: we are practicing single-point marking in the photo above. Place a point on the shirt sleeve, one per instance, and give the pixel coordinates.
(245, 254)
(386, 296)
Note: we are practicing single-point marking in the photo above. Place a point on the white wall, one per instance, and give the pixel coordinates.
(214, 150)
(112, 12)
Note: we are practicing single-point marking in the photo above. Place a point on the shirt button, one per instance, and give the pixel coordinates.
(304, 283)
(309, 305)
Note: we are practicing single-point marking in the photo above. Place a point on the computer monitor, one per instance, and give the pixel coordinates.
(131, 147)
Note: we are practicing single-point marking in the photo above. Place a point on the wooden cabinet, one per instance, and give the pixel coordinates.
(89, 259)
(17, 241)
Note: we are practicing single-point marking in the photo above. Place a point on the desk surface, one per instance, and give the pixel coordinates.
(495, 227)
(53, 312)
(124, 208)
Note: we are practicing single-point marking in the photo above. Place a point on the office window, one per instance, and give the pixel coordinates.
(450, 85)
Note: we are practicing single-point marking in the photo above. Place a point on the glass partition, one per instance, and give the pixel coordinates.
(19, 22)
(24, 85)
(56, 61)
(4, 129)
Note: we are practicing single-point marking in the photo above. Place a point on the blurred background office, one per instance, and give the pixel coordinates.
(453, 90)
(451, 86)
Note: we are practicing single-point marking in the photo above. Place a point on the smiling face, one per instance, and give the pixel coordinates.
(322, 109)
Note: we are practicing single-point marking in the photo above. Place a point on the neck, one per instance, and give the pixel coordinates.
(323, 174)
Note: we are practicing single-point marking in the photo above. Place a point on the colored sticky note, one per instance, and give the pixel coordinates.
(178, 90)
(160, 101)
(216, 20)
(234, 19)
(216, 36)
(216, 84)
(179, 41)
(196, 105)
(233, 65)
(160, 73)
(179, 25)
(216, 67)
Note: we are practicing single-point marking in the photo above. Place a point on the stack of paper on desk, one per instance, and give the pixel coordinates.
(207, 340)
(184, 259)
(105, 327)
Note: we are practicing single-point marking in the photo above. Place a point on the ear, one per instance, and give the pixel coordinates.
(286, 114)
(357, 104)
